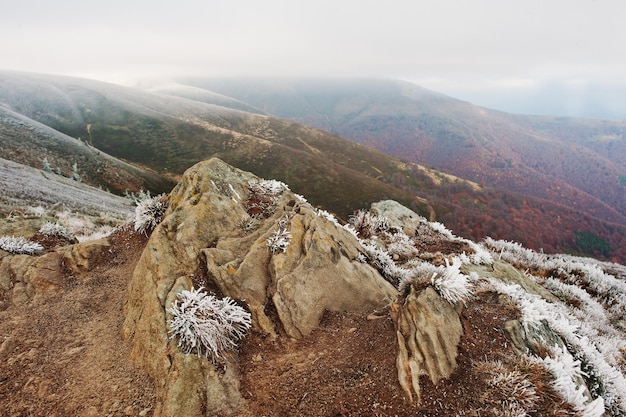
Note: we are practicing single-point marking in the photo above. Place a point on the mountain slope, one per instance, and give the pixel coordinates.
(167, 134)
(340, 321)
(29, 142)
(566, 164)
(170, 134)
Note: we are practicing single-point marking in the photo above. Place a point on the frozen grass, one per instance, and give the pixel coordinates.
(149, 213)
(19, 245)
(207, 325)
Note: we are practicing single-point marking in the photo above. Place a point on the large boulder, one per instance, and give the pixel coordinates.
(215, 234)
(399, 216)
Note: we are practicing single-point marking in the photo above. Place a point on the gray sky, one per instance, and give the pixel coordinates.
(446, 45)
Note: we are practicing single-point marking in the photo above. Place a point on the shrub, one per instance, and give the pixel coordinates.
(19, 245)
(207, 325)
(149, 213)
(56, 230)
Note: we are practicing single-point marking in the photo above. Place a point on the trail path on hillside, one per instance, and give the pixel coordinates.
(65, 355)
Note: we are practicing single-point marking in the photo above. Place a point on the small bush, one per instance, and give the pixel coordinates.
(19, 245)
(56, 230)
(207, 325)
(149, 213)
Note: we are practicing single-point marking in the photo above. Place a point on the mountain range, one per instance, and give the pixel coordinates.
(550, 183)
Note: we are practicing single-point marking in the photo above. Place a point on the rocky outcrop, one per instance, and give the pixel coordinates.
(25, 278)
(428, 329)
(399, 216)
(214, 236)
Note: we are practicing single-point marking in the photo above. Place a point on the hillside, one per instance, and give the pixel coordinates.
(163, 131)
(557, 167)
(391, 315)
(167, 135)
(29, 142)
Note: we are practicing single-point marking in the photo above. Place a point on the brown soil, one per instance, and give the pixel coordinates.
(67, 356)
(68, 359)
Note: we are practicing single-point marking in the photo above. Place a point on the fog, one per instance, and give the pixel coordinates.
(471, 50)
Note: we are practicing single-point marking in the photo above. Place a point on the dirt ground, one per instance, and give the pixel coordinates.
(65, 357)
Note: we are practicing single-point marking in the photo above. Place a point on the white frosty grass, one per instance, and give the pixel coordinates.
(207, 325)
(566, 371)
(37, 211)
(572, 330)
(510, 390)
(19, 245)
(149, 213)
(268, 187)
(87, 228)
(451, 284)
(56, 230)
(279, 240)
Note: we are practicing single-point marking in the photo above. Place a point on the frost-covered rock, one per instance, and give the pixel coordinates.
(310, 271)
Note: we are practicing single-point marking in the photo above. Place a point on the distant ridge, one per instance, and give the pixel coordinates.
(577, 164)
(160, 135)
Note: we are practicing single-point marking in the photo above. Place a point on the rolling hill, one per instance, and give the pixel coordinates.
(547, 163)
(162, 132)
(168, 134)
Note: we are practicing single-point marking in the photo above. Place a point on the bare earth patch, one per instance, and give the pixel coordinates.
(66, 356)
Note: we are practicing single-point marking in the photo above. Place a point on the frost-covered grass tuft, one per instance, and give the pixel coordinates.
(575, 333)
(37, 211)
(149, 213)
(250, 223)
(19, 245)
(510, 391)
(451, 284)
(441, 229)
(207, 325)
(279, 240)
(273, 187)
(56, 230)
(262, 196)
(566, 371)
(367, 224)
(383, 262)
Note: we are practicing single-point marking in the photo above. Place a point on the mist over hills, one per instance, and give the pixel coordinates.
(168, 134)
(575, 163)
(533, 194)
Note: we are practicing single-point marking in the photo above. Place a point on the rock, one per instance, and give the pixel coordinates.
(398, 216)
(508, 274)
(200, 242)
(24, 278)
(79, 258)
(7, 347)
(428, 331)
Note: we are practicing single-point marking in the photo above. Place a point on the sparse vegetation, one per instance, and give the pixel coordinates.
(56, 230)
(279, 240)
(19, 245)
(149, 213)
(207, 325)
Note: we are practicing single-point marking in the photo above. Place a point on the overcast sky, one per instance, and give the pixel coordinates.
(446, 45)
